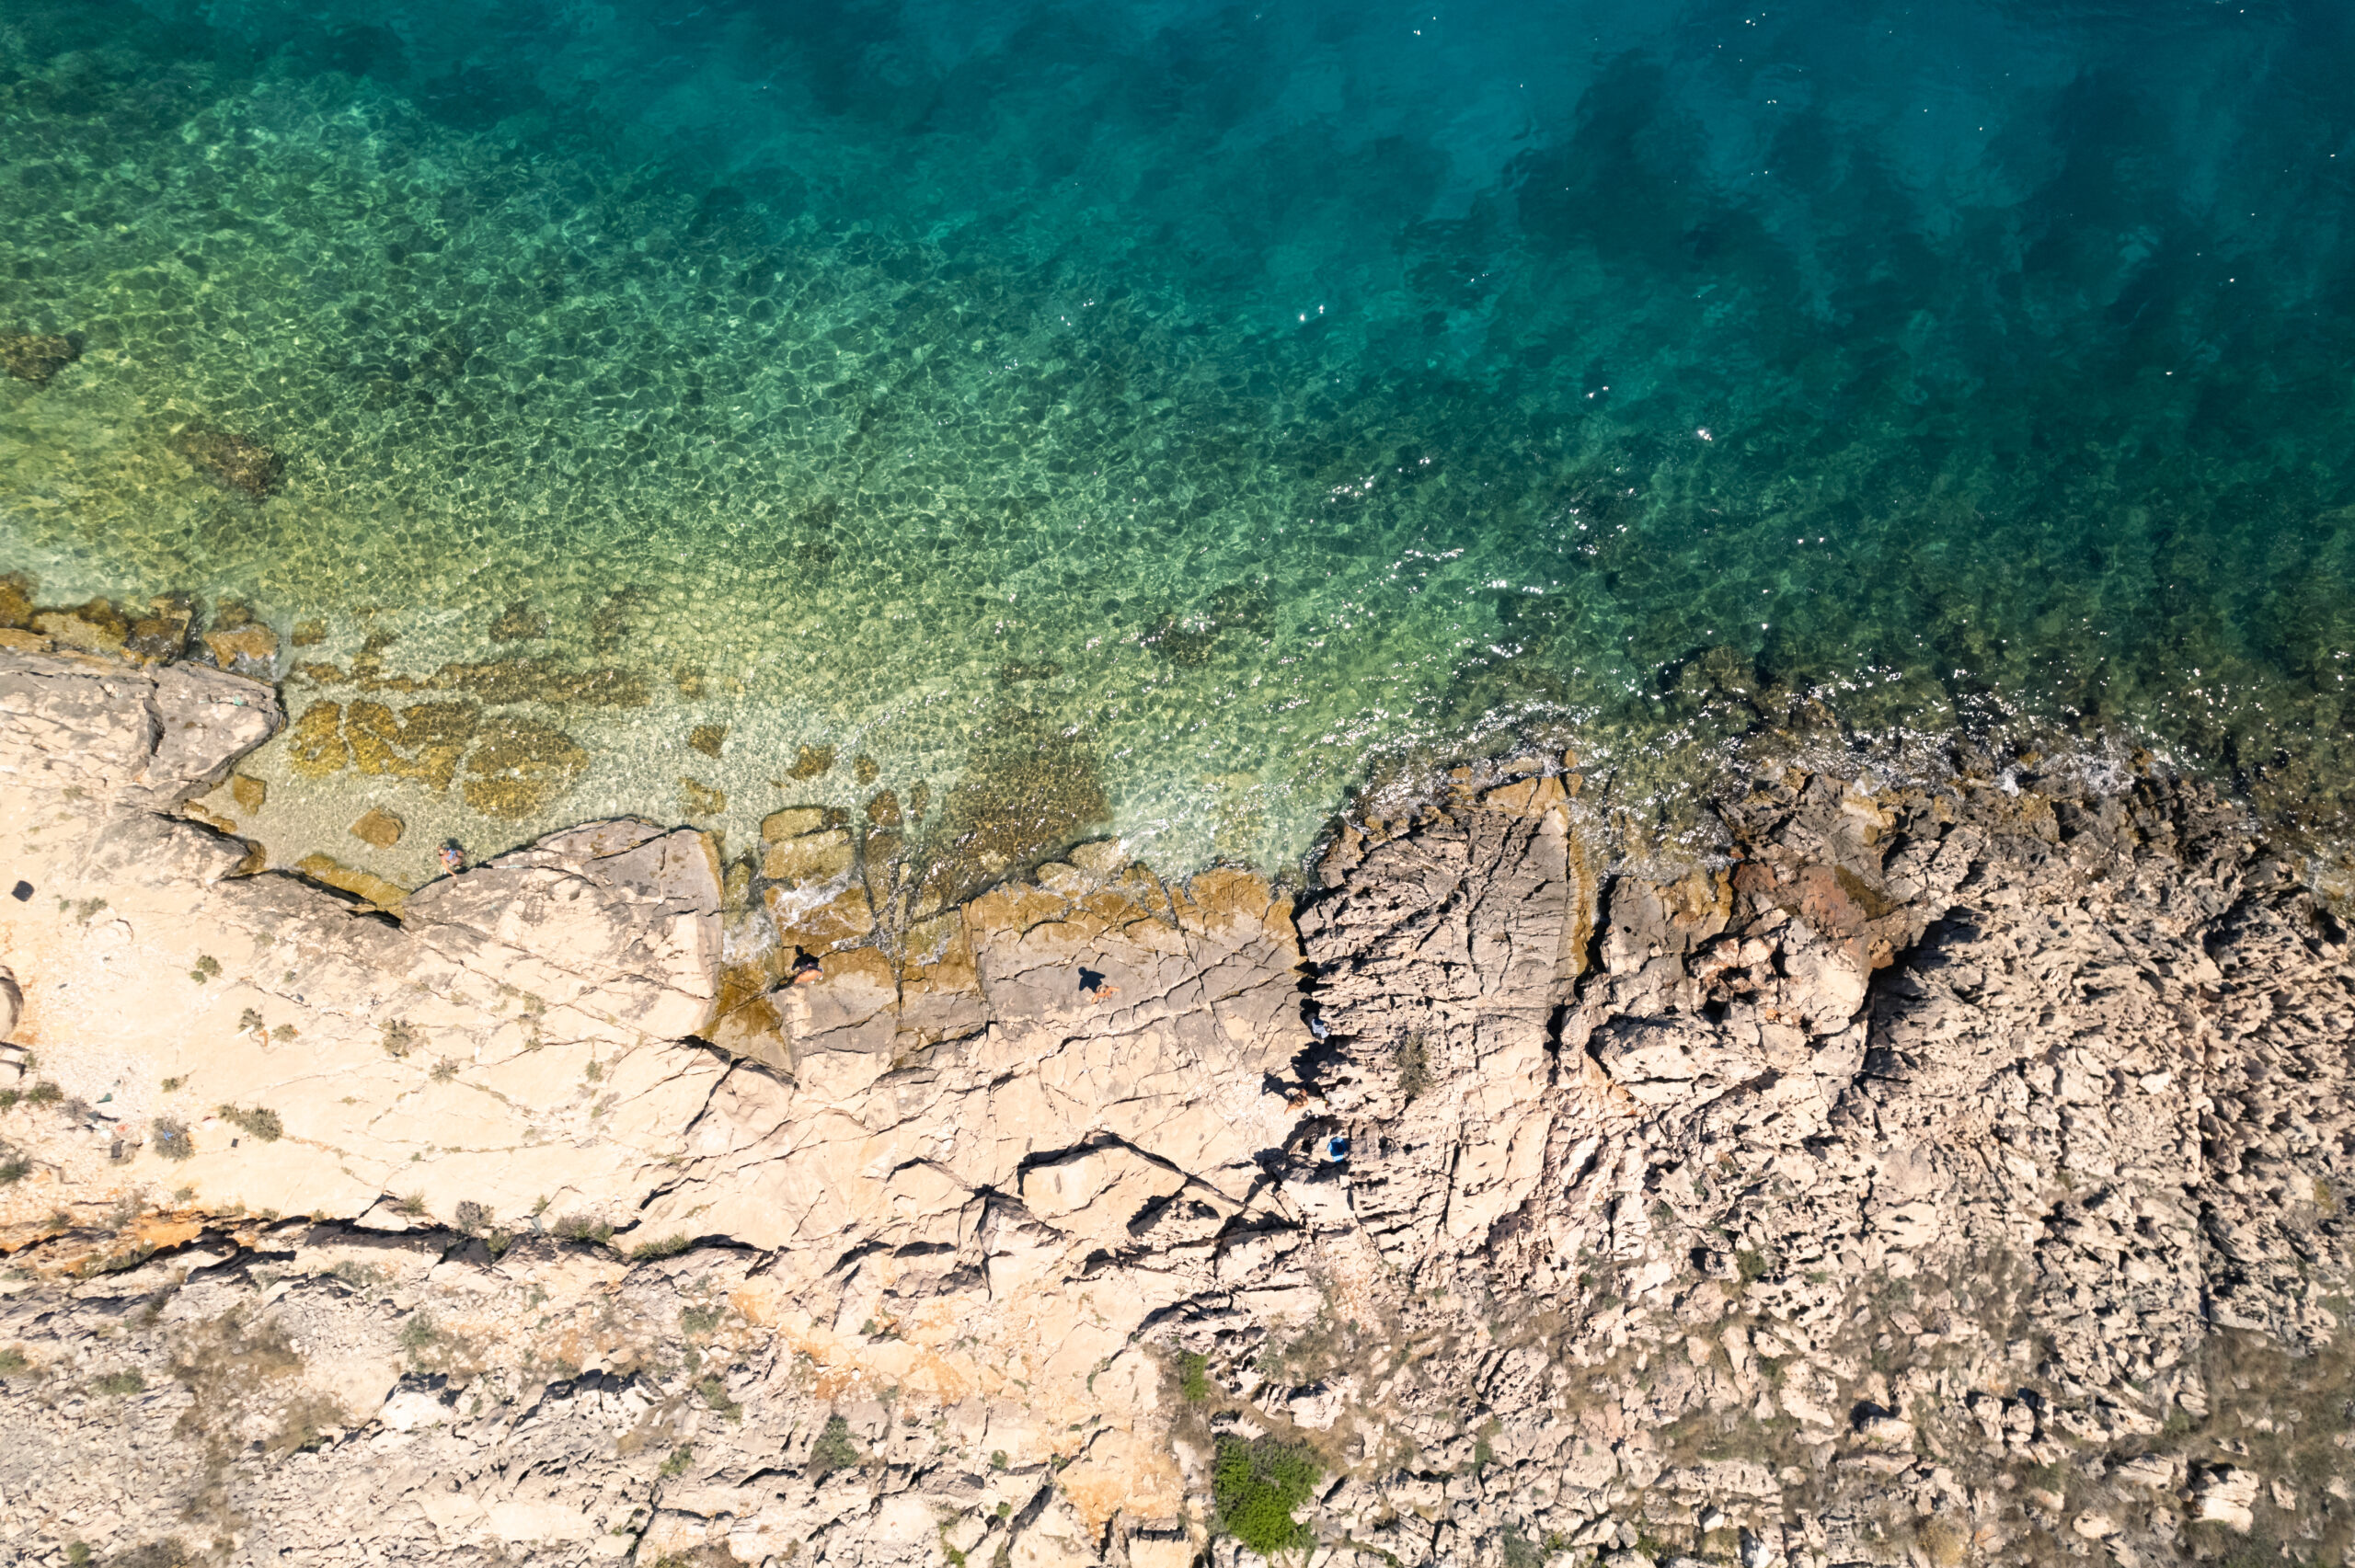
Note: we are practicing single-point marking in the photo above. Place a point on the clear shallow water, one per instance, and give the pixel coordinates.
(1161, 413)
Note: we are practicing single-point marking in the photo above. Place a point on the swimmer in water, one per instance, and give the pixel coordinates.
(453, 859)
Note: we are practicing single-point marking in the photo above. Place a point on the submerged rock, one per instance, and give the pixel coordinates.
(813, 761)
(315, 748)
(521, 768)
(240, 644)
(162, 634)
(519, 623)
(95, 627)
(37, 356)
(378, 826)
(233, 461)
(423, 741)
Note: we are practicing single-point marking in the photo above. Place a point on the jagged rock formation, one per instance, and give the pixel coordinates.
(1949, 1172)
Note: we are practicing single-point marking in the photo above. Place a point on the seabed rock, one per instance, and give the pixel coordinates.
(37, 356)
(1949, 1172)
(234, 462)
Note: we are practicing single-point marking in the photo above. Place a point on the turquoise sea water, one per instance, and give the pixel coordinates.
(1160, 414)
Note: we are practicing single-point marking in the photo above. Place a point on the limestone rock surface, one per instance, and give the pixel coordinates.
(1937, 1171)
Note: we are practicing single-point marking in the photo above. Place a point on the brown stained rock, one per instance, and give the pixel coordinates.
(314, 745)
(791, 823)
(309, 633)
(247, 650)
(379, 828)
(884, 810)
(16, 600)
(37, 356)
(521, 767)
(234, 462)
(162, 634)
(813, 761)
(95, 627)
(422, 742)
(865, 769)
(816, 857)
(519, 623)
(751, 1029)
(706, 739)
(699, 800)
(248, 792)
(844, 918)
(371, 890)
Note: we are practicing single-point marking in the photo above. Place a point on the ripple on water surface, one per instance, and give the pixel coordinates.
(578, 481)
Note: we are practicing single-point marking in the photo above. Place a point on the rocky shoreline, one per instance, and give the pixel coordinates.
(1953, 1174)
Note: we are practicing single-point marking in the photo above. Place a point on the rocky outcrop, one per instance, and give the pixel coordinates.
(1946, 1171)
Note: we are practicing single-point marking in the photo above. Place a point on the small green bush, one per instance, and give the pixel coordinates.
(1194, 1378)
(667, 1247)
(169, 1135)
(207, 967)
(1414, 1064)
(471, 1216)
(168, 1553)
(583, 1228)
(713, 1392)
(399, 1038)
(116, 1384)
(1750, 1266)
(15, 1168)
(12, 1361)
(678, 1461)
(833, 1450)
(44, 1093)
(696, 1321)
(1256, 1486)
(257, 1121)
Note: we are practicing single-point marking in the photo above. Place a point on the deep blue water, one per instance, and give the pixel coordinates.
(1216, 396)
